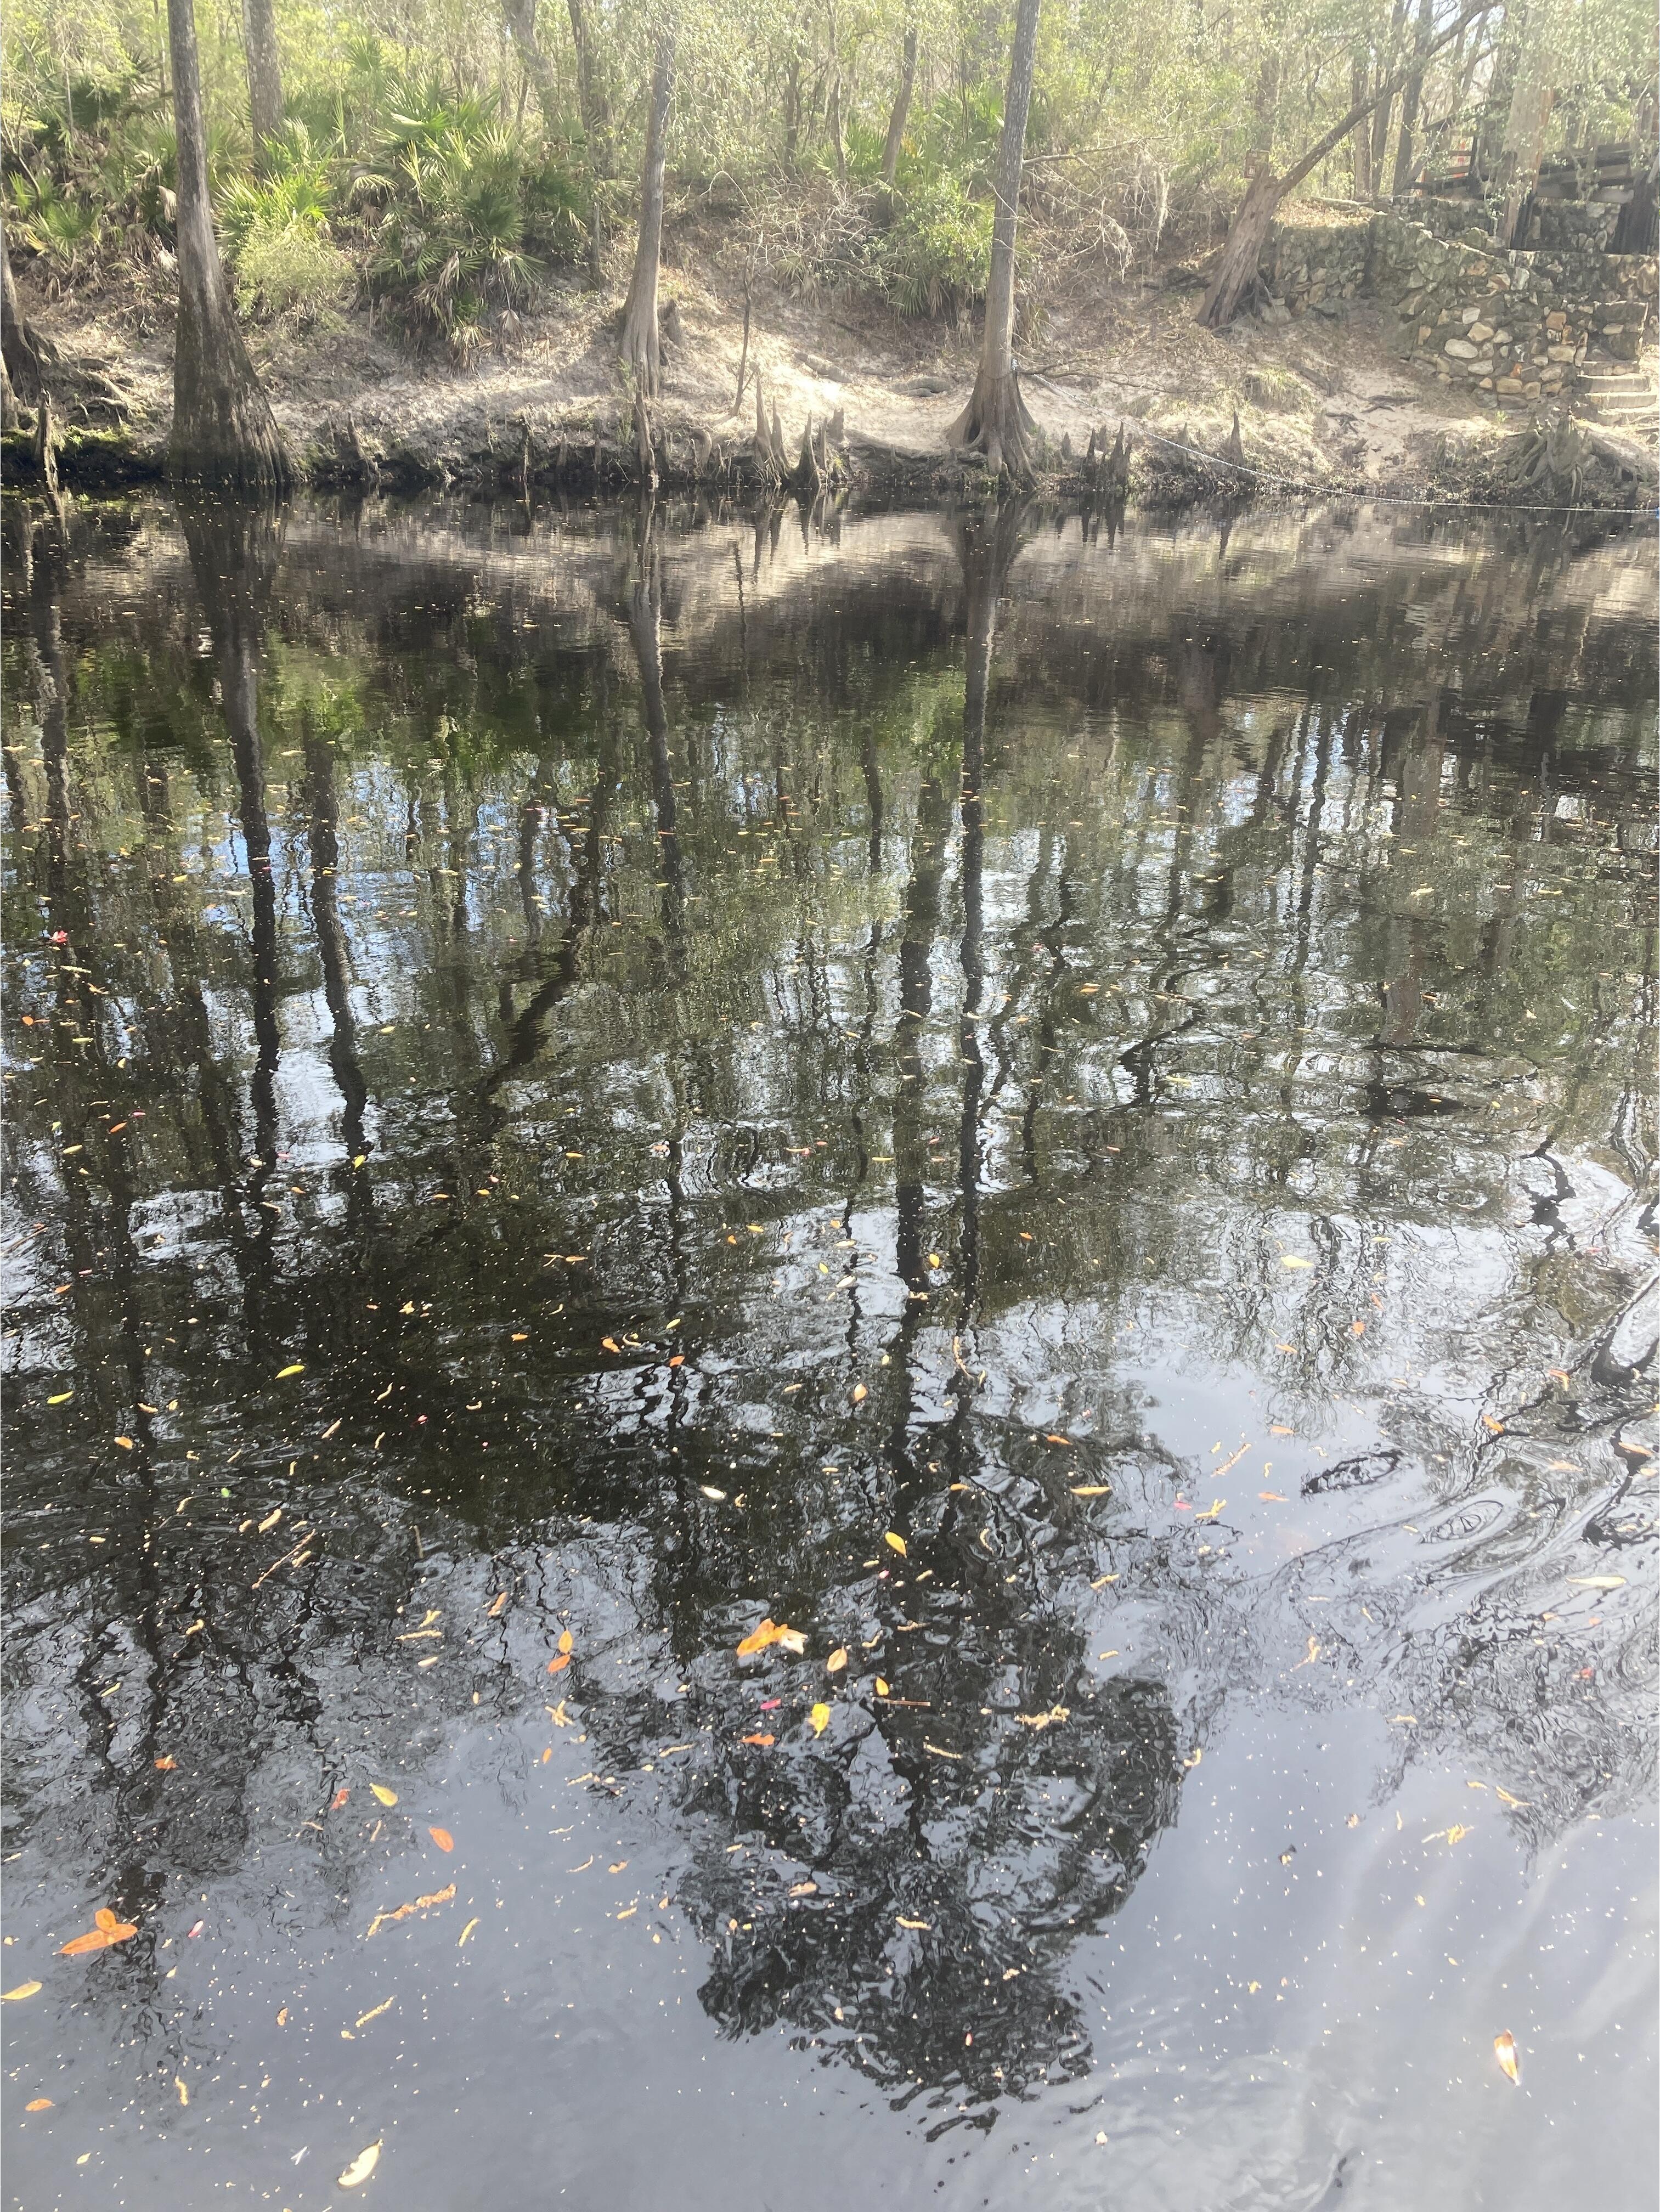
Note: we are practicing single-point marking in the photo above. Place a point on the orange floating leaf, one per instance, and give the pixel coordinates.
(567, 1642)
(769, 1632)
(763, 1740)
(442, 1837)
(338, 1800)
(610, 1343)
(558, 1666)
(37, 2105)
(109, 1929)
(1504, 2050)
(165, 1765)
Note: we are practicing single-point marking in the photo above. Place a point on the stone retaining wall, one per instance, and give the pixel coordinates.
(1513, 326)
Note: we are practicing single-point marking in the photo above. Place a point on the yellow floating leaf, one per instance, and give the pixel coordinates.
(1497, 1426)
(837, 1660)
(819, 1719)
(184, 2093)
(23, 1990)
(1504, 2050)
(360, 2167)
(1292, 1260)
(385, 1797)
(881, 1688)
(769, 1632)
(498, 1607)
(610, 1344)
(61, 1398)
(896, 1543)
(466, 1931)
(294, 1367)
(567, 1642)
(903, 1923)
(1091, 1490)
(125, 1442)
(37, 2105)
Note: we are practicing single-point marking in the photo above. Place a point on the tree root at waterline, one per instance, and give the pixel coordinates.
(997, 424)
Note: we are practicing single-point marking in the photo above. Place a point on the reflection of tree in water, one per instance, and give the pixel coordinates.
(615, 1027)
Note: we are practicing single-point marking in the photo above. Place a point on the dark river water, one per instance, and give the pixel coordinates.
(1066, 1123)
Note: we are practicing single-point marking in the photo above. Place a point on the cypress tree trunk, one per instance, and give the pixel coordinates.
(223, 430)
(642, 344)
(23, 362)
(995, 421)
(264, 68)
(895, 137)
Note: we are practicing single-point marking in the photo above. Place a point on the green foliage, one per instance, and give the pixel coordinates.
(275, 227)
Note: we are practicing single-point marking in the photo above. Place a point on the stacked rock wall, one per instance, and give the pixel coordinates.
(1513, 327)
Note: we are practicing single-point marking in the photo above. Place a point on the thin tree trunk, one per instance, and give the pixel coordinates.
(1530, 105)
(1411, 97)
(895, 137)
(1242, 251)
(995, 421)
(223, 430)
(1362, 142)
(590, 104)
(834, 125)
(793, 111)
(264, 69)
(641, 342)
(520, 16)
(1385, 108)
(17, 346)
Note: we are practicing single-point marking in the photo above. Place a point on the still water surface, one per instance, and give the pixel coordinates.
(1068, 1121)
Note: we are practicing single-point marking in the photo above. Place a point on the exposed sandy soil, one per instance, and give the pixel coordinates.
(1319, 402)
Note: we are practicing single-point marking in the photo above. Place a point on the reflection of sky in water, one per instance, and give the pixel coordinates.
(1185, 1181)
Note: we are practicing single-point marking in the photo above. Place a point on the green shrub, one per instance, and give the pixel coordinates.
(290, 272)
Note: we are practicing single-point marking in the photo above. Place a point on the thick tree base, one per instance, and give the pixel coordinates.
(996, 423)
(640, 348)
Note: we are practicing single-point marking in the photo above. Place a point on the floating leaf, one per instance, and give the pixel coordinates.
(179, 2084)
(903, 1923)
(37, 2105)
(403, 1912)
(362, 2166)
(769, 1632)
(1504, 2050)
(837, 1660)
(896, 1543)
(298, 1367)
(382, 1795)
(1596, 1582)
(762, 1738)
(338, 1800)
(1292, 1260)
(881, 1688)
(165, 1765)
(558, 1666)
(442, 1837)
(1092, 1489)
(109, 1929)
(23, 1990)
(1498, 1427)
(818, 1718)
(567, 1642)
(610, 1343)
(859, 1394)
(497, 1606)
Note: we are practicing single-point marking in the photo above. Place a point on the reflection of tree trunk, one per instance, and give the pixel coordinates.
(232, 553)
(645, 628)
(322, 808)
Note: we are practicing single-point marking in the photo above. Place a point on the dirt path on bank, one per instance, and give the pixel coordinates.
(1319, 401)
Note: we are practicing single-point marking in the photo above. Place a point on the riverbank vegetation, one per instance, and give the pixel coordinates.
(445, 170)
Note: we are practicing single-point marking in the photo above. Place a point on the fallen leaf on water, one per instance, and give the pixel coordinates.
(709, 1490)
(1596, 1582)
(297, 1367)
(23, 1990)
(859, 1394)
(382, 1795)
(419, 1905)
(1092, 1489)
(165, 1765)
(125, 1442)
(362, 2166)
(364, 2018)
(903, 1923)
(1272, 1497)
(37, 2105)
(1056, 1713)
(269, 1523)
(442, 1837)
(881, 1688)
(763, 1740)
(338, 1800)
(466, 1931)
(184, 2093)
(803, 1889)
(1504, 1798)
(497, 1606)
(109, 1929)
(1290, 1260)
(1357, 1328)
(558, 1666)
(1059, 1440)
(610, 1343)
(1498, 1427)
(567, 1641)
(772, 1631)
(837, 1660)
(819, 1719)
(896, 1543)
(1504, 2050)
